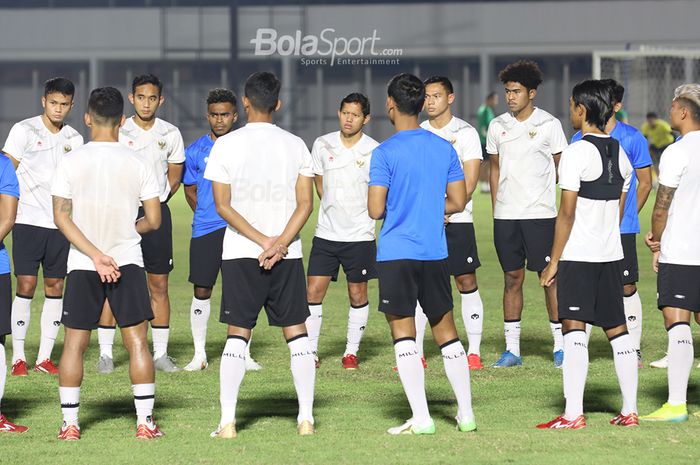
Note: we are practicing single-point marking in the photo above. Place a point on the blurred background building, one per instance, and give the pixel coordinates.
(651, 46)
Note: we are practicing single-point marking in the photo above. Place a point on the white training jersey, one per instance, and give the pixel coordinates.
(261, 162)
(465, 140)
(343, 214)
(162, 144)
(527, 175)
(38, 151)
(680, 169)
(106, 182)
(595, 236)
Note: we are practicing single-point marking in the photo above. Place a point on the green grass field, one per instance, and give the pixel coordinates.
(354, 409)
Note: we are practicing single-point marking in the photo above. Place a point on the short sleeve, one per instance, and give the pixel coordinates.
(149, 183)
(672, 166)
(639, 151)
(177, 153)
(8, 179)
(557, 138)
(61, 183)
(626, 169)
(217, 170)
(379, 169)
(16, 142)
(470, 146)
(569, 173)
(455, 173)
(306, 166)
(491, 142)
(190, 176)
(317, 163)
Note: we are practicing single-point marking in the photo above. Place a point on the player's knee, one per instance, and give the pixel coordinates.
(358, 296)
(466, 282)
(630, 289)
(202, 293)
(158, 287)
(514, 279)
(26, 287)
(314, 295)
(53, 287)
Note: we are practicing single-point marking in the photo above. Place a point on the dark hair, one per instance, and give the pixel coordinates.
(106, 106)
(691, 105)
(596, 97)
(446, 83)
(59, 85)
(143, 79)
(491, 95)
(360, 99)
(263, 91)
(652, 114)
(408, 92)
(618, 92)
(221, 96)
(525, 72)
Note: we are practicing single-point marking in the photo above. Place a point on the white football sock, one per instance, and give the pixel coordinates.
(473, 317)
(50, 324)
(247, 347)
(199, 319)
(144, 399)
(680, 362)
(633, 314)
(357, 321)
(70, 404)
(21, 313)
(160, 335)
(457, 370)
(304, 374)
(105, 338)
(555, 328)
(231, 373)
(412, 377)
(421, 323)
(589, 330)
(511, 330)
(625, 358)
(313, 325)
(3, 371)
(575, 371)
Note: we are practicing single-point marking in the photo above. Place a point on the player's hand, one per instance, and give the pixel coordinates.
(447, 219)
(272, 255)
(653, 245)
(548, 275)
(106, 268)
(655, 261)
(269, 242)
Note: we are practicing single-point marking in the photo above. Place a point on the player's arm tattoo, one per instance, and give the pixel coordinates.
(63, 205)
(664, 197)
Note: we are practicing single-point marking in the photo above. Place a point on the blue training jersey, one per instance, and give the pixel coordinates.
(415, 166)
(637, 149)
(206, 219)
(8, 186)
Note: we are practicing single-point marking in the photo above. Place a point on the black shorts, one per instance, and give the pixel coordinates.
(403, 283)
(32, 245)
(678, 286)
(246, 288)
(157, 246)
(591, 292)
(85, 296)
(518, 240)
(5, 304)
(630, 266)
(484, 154)
(205, 258)
(359, 259)
(463, 256)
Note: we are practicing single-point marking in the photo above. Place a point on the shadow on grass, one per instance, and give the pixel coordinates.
(19, 406)
(252, 411)
(370, 347)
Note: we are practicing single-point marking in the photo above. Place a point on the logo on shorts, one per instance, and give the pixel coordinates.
(161, 144)
(197, 311)
(67, 148)
(226, 312)
(170, 262)
(474, 316)
(547, 259)
(364, 272)
(470, 259)
(626, 273)
(679, 296)
(385, 301)
(20, 323)
(532, 134)
(574, 309)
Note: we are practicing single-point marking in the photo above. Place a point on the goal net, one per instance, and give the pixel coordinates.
(649, 77)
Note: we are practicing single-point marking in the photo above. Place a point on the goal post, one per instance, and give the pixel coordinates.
(649, 77)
